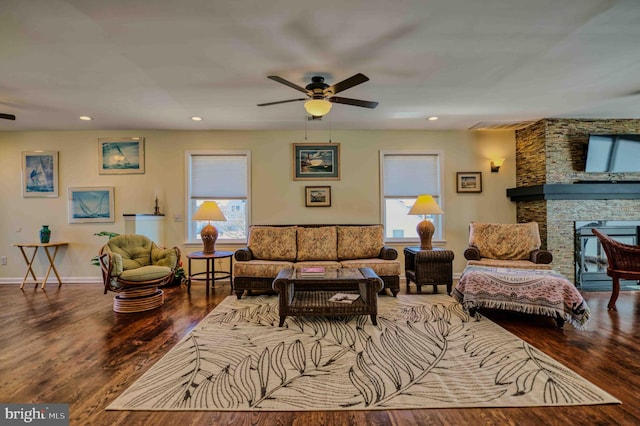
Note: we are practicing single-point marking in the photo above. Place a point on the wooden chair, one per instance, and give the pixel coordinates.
(624, 262)
(134, 267)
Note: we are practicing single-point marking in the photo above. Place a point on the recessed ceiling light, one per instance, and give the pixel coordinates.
(85, 118)
(196, 118)
(432, 118)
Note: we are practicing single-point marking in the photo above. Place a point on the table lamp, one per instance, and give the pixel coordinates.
(209, 211)
(425, 205)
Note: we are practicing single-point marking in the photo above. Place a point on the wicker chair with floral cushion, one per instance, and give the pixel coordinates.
(513, 245)
(134, 267)
(624, 262)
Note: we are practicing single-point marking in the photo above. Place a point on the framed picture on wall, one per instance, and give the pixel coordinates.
(91, 204)
(317, 196)
(40, 174)
(469, 182)
(119, 156)
(316, 161)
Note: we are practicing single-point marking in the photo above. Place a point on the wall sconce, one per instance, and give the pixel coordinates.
(496, 164)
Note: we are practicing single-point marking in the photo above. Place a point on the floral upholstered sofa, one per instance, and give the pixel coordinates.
(273, 247)
(506, 245)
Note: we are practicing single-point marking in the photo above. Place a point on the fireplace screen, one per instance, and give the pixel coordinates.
(591, 260)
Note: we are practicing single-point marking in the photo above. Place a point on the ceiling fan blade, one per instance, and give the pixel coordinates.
(8, 116)
(348, 83)
(354, 102)
(283, 102)
(288, 83)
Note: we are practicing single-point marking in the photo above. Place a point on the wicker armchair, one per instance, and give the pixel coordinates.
(624, 262)
(506, 245)
(134, 267)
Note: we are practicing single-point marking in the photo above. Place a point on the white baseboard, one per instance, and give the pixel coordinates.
(54, 280)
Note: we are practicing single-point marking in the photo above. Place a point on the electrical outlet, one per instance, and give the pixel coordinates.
(3, 260)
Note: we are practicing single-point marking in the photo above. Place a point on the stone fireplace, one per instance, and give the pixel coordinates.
(553, 190)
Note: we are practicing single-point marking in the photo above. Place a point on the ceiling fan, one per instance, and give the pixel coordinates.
(8, 116)
(320, 95)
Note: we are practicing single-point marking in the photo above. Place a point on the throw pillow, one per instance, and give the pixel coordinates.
(514, 241)
(317, 243)
(273, 242)
(360, 242)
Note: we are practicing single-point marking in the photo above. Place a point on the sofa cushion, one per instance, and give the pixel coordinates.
(134, 249)
(382, 268)
(513, 241)
(317, 243)
(260, 268)
(273, 242)
(145, 273)
(509, 264)
(360, 242)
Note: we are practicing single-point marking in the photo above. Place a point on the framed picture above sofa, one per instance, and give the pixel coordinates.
(316, 161)
(317, 196)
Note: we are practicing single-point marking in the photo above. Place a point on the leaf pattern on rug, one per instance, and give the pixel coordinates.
(424, 352)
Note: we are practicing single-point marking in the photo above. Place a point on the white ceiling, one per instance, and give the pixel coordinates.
(134, 64)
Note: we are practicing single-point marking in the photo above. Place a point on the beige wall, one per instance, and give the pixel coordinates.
(276, 198)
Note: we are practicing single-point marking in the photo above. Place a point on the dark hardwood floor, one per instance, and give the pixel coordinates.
(67, 346)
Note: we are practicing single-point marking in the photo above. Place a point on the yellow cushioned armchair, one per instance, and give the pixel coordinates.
(134, 267)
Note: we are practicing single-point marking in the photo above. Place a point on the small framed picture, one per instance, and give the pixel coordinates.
(317, 196)
(316, 161)
(40, 174)
(469, 182)
(93, 204)
(119, 156)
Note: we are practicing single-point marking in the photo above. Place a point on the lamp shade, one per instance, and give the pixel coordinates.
(317, 107)
(209, 211)
(424, 205)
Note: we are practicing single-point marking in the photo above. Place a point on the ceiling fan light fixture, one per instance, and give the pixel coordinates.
(317, 107)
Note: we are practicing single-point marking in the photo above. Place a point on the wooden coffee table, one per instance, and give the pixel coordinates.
(309, 296)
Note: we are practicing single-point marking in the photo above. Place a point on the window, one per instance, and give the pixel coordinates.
(404, 176)
(223, 177)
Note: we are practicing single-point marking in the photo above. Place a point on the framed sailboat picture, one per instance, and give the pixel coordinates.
(316, 161)
(40, 174)
(119, 156)
(94, 204)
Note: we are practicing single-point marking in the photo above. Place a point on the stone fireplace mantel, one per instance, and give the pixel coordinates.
(614, 190)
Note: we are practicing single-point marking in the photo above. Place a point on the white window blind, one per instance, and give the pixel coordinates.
(223, 177)
(404, 176)
(218, 176)
(411, 175)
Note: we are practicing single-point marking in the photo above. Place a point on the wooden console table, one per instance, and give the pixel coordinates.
(29, 261)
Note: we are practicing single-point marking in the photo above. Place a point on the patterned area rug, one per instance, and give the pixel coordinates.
(426, 352)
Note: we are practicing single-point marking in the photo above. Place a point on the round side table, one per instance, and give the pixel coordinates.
(210, 275)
